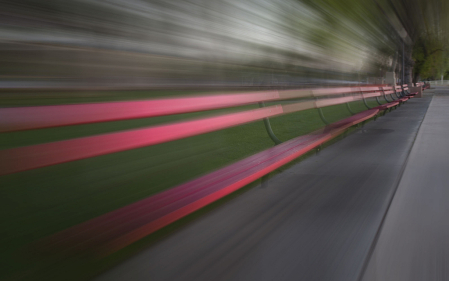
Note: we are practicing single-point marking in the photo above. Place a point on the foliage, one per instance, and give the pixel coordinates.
(431, 60)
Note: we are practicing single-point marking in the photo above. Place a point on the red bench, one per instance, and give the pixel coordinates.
(42, 155)
(407, 92)
(124, 226)
(401, 94)
(424, 85)
(387, 91)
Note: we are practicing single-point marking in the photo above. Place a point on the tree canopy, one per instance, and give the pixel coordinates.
(364, 37)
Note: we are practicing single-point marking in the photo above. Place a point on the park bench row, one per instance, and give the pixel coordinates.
(117, 229)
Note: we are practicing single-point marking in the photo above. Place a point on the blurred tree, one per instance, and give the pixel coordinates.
(426, 23)
(330, 36)
(431, 60)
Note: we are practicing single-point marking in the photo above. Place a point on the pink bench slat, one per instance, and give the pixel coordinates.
(35, 117)
(121, 220)
(387, 105)
(41, 155)
(334, 91)
(372, 95)
(335, 101)
(369, 89)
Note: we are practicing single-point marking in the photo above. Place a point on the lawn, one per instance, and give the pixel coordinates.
(40, 202)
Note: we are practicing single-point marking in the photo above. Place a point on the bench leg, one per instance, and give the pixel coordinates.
(270, 132)
(364, 101)
(322, 117)
(349, 109)
(377, 99)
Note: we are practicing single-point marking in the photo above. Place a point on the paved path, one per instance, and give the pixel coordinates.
(414, 241)
(317, 220)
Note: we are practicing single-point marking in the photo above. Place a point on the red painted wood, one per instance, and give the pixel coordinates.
(334, 91)
(370, 89)
(36, 156)
(353, 120)
(36, 117)
(24, 118)
(42, 155)
(334, 101)
(124, 226)
(150, 209)
(387, 105)
(372, 95)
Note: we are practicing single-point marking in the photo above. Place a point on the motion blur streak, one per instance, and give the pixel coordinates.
(105, 103)
(137, 44)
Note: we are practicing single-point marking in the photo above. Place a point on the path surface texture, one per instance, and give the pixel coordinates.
(414, 240)
(320, 219)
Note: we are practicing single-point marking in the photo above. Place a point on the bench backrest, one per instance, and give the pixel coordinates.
(41, 155)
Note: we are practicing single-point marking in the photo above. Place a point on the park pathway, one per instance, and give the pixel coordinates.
(414, 241)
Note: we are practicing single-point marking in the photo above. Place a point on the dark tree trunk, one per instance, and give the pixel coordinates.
(416, 77)
(395, 61)
(408, 65)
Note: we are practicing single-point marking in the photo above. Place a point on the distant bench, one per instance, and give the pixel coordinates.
(423, 85)
(119, 228)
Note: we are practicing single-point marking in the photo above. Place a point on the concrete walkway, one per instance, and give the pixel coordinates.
(414, 241)
(318, 220)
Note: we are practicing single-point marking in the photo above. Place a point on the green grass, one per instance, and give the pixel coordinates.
(41, 202)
